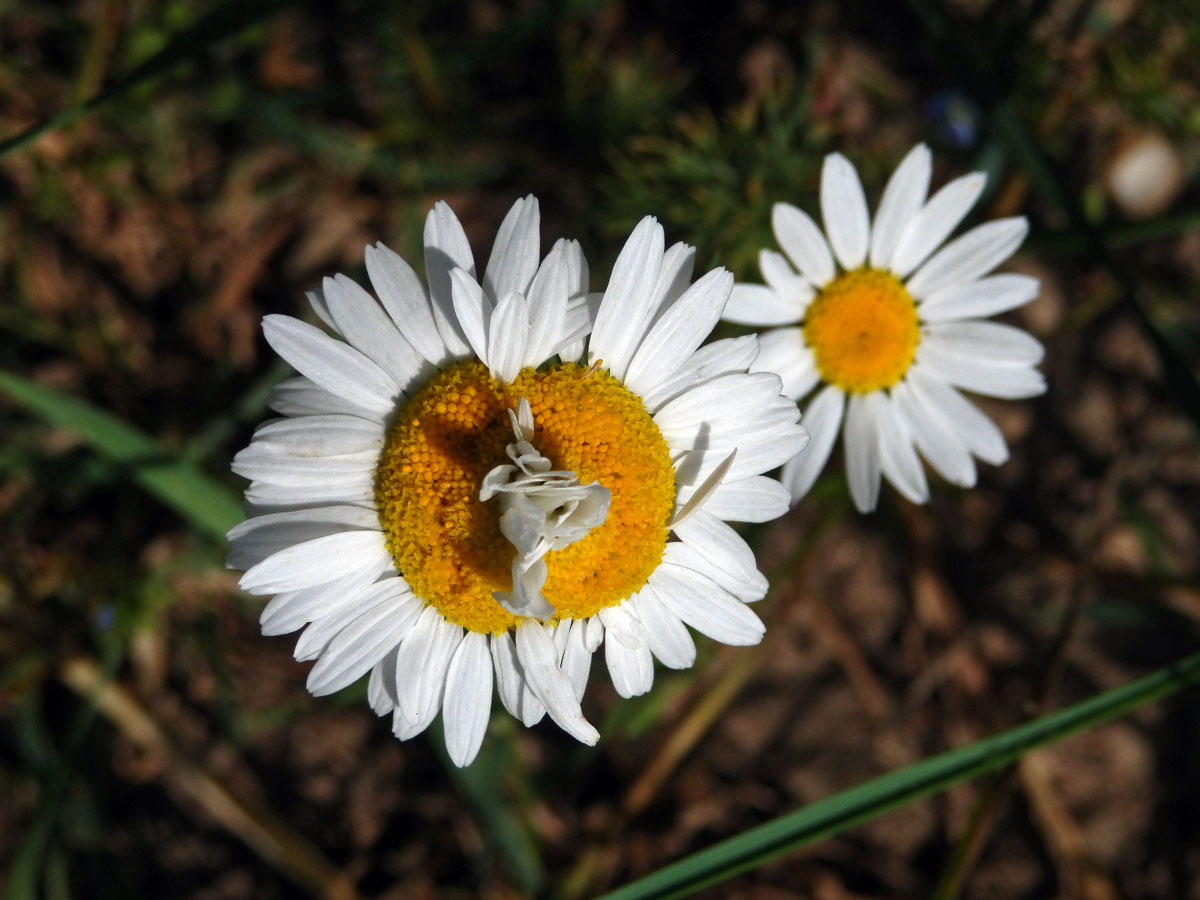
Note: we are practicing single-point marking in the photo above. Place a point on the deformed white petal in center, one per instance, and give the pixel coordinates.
(542, 509)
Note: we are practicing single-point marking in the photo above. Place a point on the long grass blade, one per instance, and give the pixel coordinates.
(873, 798)
(207, 505)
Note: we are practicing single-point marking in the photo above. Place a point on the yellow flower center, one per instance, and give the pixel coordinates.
(863, 329)
(446, 542)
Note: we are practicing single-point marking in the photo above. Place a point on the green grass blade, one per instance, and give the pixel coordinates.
(226, 20)
(207, 505)
(873, 798)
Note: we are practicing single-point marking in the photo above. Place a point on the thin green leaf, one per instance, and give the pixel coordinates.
(873, 798)
(206, 504)
(226, 20)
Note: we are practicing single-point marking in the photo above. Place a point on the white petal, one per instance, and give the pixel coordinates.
(862, 453)
(936, 441)
(801, 239)
(594, 633)
(779, 275)
(691, 419)
(979, 299)
(721, 357)
(822, 418)
(404, 298)
(699, 602)
(446, 249)
(578, 287)
(314, 562)
(625, 310)
(674, 276)
(631, 669)
(421, 666)
(924, 232)
(621, 624)
(316, 299)
(514, 691)
(577, 325)
(719, 552)
(338, 613)
(473, 311)
(577, 657)
(321, 435)
(370, 330)
(783, 351)
(298, 396)
(702, 491)
(365, 640)
(844, 209)
(966, 258)
(290, 610)
(548, 307)
(405, 730)
(268, 498)
(902, 200)
(578, 275)
(754, 499)
(561, 635)
(757, 304)
(337, 367)
(468, 702)
(514, 258)
(757, 454)
(960, 415)
(748, 587)
(535, 650)
(666, 636)
(990, 341)
(1012, 381)
(265, 463)
(718, 542)
(252, 541)
(508, 336)
(897, 458)
(678, 333)
(381, 687)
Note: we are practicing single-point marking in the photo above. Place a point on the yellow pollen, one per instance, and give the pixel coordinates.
(446, 542)
(863, 329)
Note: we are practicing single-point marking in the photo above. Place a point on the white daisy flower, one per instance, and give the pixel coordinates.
(890, 330)
(453, 499)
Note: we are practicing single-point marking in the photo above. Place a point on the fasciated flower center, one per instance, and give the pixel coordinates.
(863, 329)
(447, 543)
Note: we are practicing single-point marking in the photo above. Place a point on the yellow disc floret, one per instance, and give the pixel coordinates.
(446, 542)
(863, 329)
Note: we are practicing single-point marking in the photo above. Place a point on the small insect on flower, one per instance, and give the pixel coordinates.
(891, 331)
(486, 480)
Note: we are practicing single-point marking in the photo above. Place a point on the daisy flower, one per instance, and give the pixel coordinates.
(486, 480)
(886, 331)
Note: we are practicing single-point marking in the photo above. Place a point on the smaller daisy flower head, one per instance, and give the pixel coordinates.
(883, 328)
(486, 480)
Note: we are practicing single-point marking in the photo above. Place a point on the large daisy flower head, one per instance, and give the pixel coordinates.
(485, 480)
(884, 329)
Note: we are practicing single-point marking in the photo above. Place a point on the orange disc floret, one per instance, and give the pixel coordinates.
(863, 330)
(447, 543)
